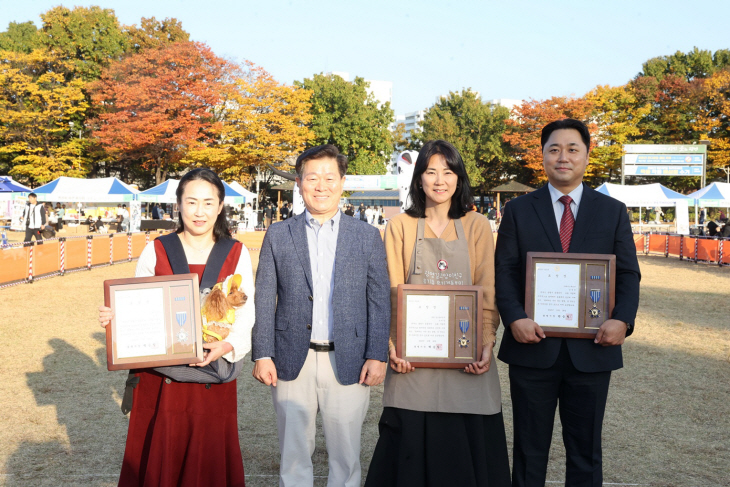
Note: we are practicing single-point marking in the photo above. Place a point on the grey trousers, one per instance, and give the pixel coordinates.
(343, 410)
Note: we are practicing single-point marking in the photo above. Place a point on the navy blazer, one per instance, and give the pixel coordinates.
(601, 227)
(360, 301)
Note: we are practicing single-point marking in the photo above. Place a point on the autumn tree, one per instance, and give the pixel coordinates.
(91, 38)
(525, 126)
(344, 114)
(713, 120)
(20, 37)
(618, 115)
(157, 104)
(153, 33)
(40, 101)
(261, 122)
(475, 128)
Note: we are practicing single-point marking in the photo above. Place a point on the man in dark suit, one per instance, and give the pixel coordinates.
(322, 323)
(570, 373)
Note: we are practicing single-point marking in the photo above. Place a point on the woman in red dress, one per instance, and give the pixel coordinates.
(186, 433)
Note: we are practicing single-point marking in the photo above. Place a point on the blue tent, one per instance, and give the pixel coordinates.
(7, 185)
(716, 194)
(166, 193)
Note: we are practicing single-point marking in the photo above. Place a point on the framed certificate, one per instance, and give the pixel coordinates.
(570, 295)
(156, 322)
(439, 326)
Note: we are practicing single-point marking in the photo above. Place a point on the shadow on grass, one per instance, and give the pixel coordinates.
(80, 390)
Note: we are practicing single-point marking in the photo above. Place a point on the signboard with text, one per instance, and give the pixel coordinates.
(664, 160)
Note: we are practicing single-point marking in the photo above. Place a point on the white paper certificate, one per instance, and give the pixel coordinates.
(557, 294)
(427, 326)
(140, 322)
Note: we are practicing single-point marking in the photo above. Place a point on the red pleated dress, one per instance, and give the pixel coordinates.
(183, 434)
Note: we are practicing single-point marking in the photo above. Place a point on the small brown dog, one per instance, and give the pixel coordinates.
(219, 308)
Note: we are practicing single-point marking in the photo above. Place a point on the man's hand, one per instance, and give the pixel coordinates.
(482, 366)
(526, 331)
(215, 350)
(373, 372)
(264, 371)
(611, 332)
(105, 316)
(398, 364)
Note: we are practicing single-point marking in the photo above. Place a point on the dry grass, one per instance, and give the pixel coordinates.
(667, 421)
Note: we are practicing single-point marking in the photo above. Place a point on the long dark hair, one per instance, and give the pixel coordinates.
(220, 229)
(461, 202)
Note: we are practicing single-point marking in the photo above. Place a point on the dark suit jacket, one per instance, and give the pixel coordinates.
(601, 227)
(361, 298)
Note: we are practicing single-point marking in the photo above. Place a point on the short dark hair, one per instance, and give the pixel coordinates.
(566, 123)
(462, 200)
(319, 152)
(220, 229)
(33, 195)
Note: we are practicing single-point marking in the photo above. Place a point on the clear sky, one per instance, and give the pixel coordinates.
(504, 49)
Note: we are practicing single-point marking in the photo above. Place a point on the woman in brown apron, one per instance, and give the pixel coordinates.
(441, 427)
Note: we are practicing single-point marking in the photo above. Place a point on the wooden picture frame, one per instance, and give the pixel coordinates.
(445, 325)
(570, 295)
(156, 322)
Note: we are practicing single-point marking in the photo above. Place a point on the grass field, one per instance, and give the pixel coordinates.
(667, 421)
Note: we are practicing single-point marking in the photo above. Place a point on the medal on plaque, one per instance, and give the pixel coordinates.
(464, 327)
(595, 297)
(181, 317)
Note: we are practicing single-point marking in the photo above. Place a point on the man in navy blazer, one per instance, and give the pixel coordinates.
(322, 322)
(573, 373)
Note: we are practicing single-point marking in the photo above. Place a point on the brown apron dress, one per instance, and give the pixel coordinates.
(442, 390)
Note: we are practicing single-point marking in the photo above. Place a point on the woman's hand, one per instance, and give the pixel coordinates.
(214, 351)
(105, 316)
(398, 364)
(483, 365)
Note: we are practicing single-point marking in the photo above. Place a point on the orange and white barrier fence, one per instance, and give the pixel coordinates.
(709, 250)
(25, 262)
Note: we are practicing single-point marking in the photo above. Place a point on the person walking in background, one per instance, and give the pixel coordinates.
(60, 213)
(321, 334)
(268, 214)
(34, 218)
(124, 219)
(285, 211)
(571, 374)
(441, 427)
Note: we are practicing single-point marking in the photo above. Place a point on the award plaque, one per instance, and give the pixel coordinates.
(156, 322)
(570, 295)
(439, 326)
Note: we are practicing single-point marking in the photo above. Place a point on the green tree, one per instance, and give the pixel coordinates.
(475, 129)
(153, 33)
(344, 114)
(90, 37)
(698, 63)
(20, 37)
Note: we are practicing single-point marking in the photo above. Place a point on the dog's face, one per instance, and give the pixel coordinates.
(236, 298)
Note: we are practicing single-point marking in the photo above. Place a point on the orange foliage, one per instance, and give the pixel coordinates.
(524, 128)
(156, 104)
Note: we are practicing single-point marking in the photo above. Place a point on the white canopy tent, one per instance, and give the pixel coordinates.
(166, 193)
(249, 195)
(651, 195)
(716, 195)
(102, 190)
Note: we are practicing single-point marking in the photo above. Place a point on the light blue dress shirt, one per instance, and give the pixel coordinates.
(322, 243)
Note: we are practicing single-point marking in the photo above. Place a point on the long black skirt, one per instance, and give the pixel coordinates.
(423, 449)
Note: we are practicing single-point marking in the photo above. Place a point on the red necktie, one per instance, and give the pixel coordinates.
(567, 222)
